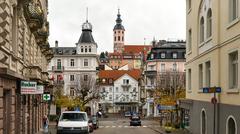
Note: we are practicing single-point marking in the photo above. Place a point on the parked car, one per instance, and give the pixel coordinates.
(127, 114)
(135, 121)
(90, 125)
(95, 121)
(71, 122)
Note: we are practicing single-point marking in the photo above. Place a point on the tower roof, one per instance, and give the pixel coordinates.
(118, 25)
(86, 36)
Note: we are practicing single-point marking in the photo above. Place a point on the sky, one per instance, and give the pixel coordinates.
(159, 19)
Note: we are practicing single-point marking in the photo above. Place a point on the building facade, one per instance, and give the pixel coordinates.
(119, 90)
(24, 56)
(73, 66)
(212, 59)
(165, 64)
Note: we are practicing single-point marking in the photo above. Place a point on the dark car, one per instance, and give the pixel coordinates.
(135, 121)
(95, 121)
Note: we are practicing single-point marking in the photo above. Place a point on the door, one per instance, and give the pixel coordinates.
(7, 111)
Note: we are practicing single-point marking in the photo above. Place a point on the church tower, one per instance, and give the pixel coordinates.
(118, 34)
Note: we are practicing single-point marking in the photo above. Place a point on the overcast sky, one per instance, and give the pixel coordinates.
(162, 19)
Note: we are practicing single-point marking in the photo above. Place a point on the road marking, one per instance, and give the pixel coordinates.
(113, 126)
(144, 126)
(107, 126)
(125, 126)
(120, 126)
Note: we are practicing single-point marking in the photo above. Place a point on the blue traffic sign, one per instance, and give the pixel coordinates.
(212, 90)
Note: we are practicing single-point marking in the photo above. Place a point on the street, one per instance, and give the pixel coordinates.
(120, 126)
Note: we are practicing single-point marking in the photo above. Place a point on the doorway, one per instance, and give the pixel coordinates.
(7, 101)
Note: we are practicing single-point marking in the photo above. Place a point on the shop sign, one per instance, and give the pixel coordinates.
(28, 87)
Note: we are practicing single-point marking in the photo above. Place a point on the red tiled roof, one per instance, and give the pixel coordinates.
(137, 48)
(115, 74)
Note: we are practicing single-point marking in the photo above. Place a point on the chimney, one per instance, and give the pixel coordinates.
(56, 43)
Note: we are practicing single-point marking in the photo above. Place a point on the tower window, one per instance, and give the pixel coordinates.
(118, 38)
(115, 38)
(118, 31)
(90, 49)
(201, 30)
(122, 38)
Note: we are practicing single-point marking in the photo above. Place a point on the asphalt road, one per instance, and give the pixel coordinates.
(121, 126)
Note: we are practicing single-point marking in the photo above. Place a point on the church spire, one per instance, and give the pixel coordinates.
(118, 25)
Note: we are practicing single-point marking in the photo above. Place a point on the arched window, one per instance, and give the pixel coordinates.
(201, 30)
(209, 23)
(203, 122)
(231, 125)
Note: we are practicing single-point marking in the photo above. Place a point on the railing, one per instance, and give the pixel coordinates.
(59, 82)
(58, 68)
(126, 85)
(150, 72)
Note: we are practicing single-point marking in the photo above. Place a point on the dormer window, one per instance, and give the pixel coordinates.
(90, 49)
(174, 55)
(163, 55)
(82, 49)
(85, 49)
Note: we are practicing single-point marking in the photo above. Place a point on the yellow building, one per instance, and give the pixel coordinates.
(212, 56)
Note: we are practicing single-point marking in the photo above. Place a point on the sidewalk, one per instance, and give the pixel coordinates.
(51, 129)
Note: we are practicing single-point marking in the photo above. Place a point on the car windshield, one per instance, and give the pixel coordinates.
(73, 117)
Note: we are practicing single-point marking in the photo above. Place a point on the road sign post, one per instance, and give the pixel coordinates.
(213, 90)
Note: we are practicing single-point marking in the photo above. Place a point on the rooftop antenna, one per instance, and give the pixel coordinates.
(87, 15)
(118, 10)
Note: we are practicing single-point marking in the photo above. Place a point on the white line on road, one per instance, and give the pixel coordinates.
(144, 126)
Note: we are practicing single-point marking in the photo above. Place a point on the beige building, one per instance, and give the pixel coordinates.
(212, 57)
(24, 56)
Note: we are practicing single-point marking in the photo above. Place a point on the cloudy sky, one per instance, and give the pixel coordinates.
(162, 19)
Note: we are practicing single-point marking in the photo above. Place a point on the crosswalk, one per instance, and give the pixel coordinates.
(121, 126)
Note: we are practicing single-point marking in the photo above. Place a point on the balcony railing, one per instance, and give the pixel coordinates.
(149, 87)
(58, 68)
(150, 72)
(59, 82)
(126, 85)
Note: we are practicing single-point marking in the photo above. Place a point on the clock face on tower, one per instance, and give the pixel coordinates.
(87, 25)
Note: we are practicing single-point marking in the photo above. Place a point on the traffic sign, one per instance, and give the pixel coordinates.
(46, 97)
(214, 100)
(212, 90)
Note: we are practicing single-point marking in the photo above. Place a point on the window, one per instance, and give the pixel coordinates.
(127, 97)
(82, 49)
(189, 39)
(118, 38)
(115, 38)
(116, 89)
(122, 38)
(203, 122)
(152, 82)
(110, 97)
(189, 4)
(209, 23)
(189, 79)
(200, 76)
(174, 67)
(110, 89)
(174, 55)
(85, 49)
(117, 97)
(71, 91)
(208, 74)
(85, 77)
(162, 67)
(231, 126)
(59, 63)
(233, 70)
(201, 30)
(163, 55)
(14, 30)
(233, 10)
(72, 62)
(103, 89)
(90, 49)
(125, 81)
(71, 77)
(85, 62)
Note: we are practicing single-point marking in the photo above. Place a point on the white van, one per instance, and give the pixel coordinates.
(71, 122)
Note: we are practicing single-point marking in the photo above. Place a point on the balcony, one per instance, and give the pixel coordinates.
(149, 87)
(58, 68)
(58, 83)
(150, 73)
(34, 73)
(42, 35)
(45, 77)
(34, 15)
(126, 85)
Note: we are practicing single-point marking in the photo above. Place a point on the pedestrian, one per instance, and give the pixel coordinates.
(45, 124)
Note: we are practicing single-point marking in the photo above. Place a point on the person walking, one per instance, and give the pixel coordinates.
(45, 124)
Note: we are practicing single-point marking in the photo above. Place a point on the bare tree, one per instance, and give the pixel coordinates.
(86, 89)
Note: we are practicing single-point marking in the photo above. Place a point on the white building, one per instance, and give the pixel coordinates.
(72, 66)
(119, 90)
